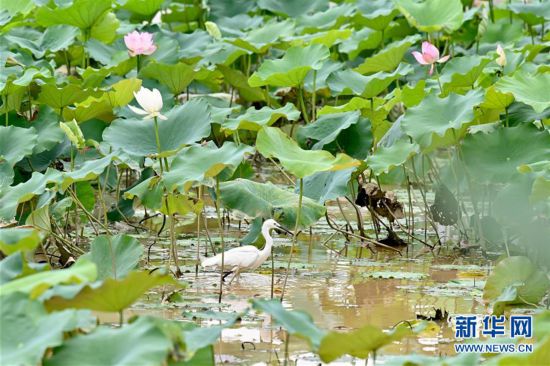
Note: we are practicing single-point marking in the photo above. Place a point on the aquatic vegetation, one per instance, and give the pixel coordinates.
(405, 143)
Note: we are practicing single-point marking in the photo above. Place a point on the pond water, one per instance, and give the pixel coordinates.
(341, 292)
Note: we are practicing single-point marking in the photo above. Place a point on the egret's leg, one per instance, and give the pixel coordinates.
(225, 275)
(237, 273)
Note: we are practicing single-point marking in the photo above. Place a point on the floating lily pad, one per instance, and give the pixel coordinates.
(395, 275)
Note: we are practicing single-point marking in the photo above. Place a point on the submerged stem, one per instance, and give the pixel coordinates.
(220, 228)
(294, 236)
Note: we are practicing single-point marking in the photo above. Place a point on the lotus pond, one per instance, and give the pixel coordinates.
(403, 144)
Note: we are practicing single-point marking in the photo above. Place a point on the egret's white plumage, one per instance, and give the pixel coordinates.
(247, 257)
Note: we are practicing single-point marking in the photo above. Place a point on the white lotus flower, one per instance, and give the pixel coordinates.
(150, 101)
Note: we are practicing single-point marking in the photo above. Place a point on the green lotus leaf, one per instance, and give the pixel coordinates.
(266, 200)
(29, 330)
(358, 343)
(259, 40)
(495, 99)
(53, 39)
(354, 104)
(351, 82)
(18, 239)
(198, 339)
(527, 88)
(176, 77)
(292, 68)
(436, 116)
(15, 7)
(105, 29)
(295, 322)
(388, 58)
(58, 98)
(535, 13)
(292, 8)
(150, 193)
(111, 346)
(221, 8)
(541, 185)
(16, 143)
(101, 106)
(327, 38)
(81, 13)
(519, 280)
(432, 15)
(239, 81)
(364, 39)
(49, 137)
(495, 157)
(30, 74)
(328, 19)
(185, 125)
(385, 158)
(254, 119)
(199, 163)
(411, 95)
(462, 72)
(83, 271)
(111, 295)
(325, 186)
(502, 31)
(88, 171)
(114, 56)
(146, 8)
(11, 197)
(375, 14)
(114, 256)
(12, 267)
(272, 142)
(327, 128)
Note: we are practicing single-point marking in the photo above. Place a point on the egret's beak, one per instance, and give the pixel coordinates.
(284, 229)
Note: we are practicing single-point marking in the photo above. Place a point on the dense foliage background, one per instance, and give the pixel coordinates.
(343, 99)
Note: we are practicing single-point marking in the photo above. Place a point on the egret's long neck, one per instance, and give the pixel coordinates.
(268, 241)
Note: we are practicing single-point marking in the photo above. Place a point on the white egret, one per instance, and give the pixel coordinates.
(247, 257)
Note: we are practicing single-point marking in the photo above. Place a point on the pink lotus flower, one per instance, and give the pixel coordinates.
(140, 43)
(429, 56)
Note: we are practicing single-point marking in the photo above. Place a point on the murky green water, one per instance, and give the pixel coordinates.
(340, 292)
